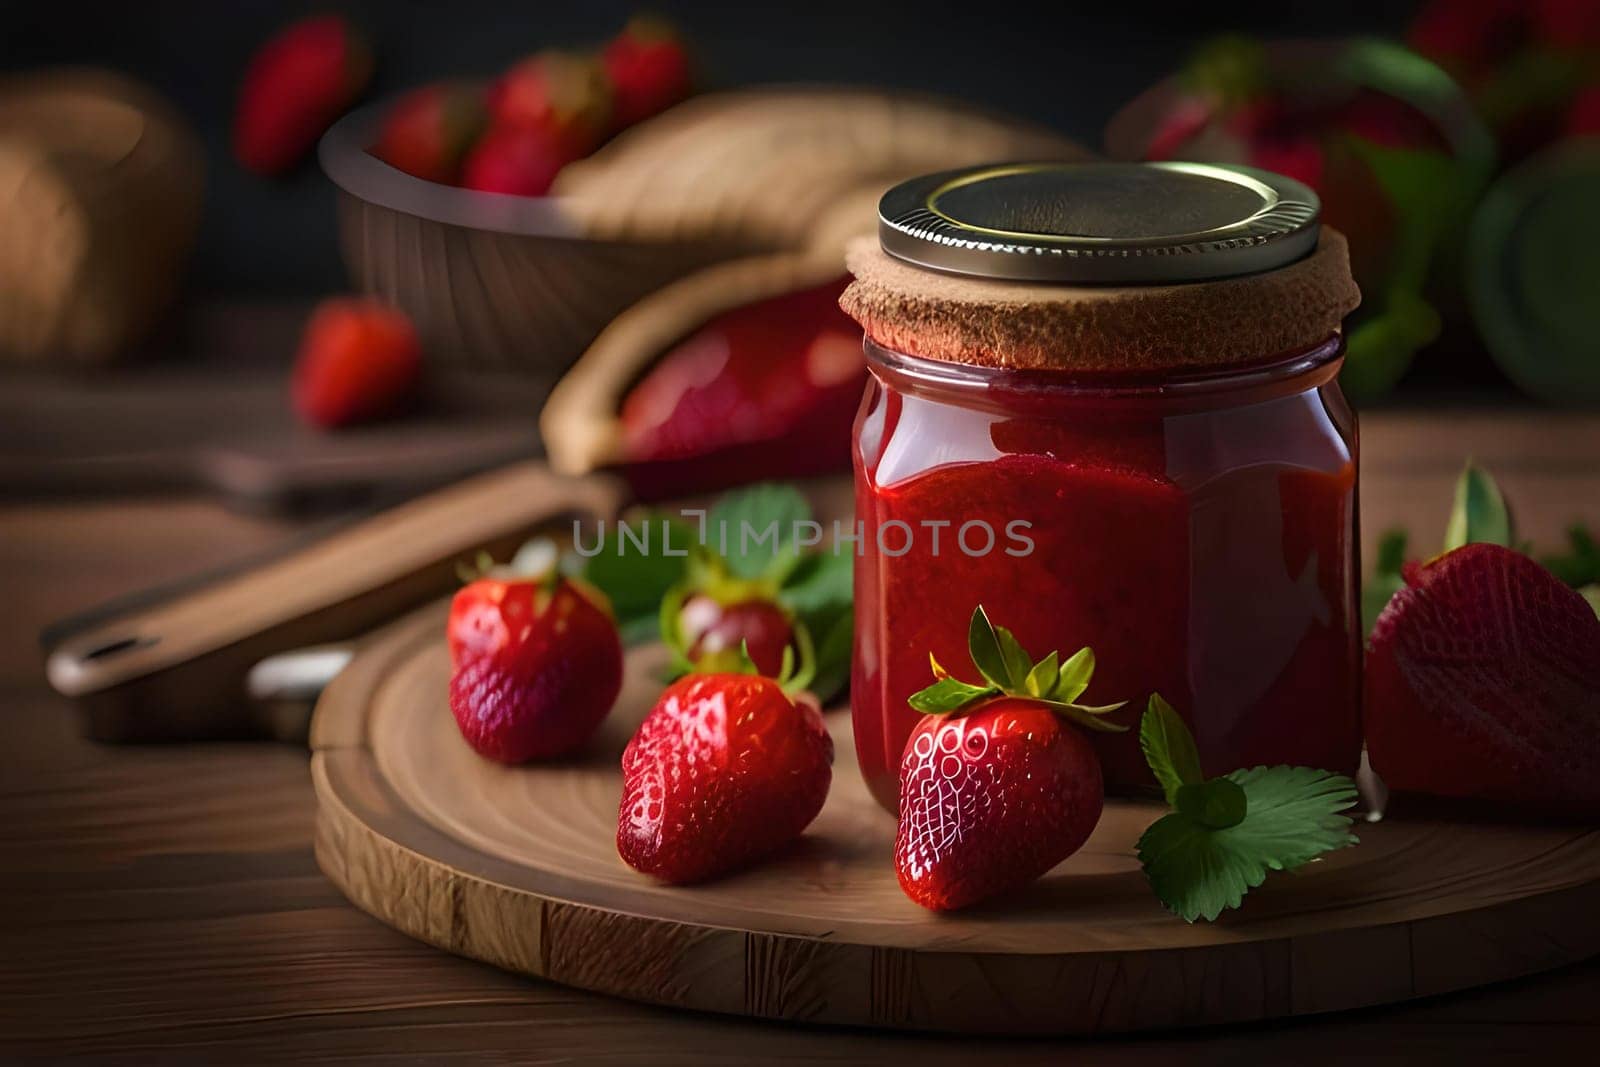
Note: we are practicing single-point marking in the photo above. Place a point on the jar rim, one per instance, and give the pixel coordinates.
(1293, 371)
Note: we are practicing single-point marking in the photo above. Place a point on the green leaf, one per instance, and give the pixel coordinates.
(1216, 805)
(1591, 593)
(1580, 565)
(1386, 579)
(636, 581)
(949, 694)
(1091, 717)
(1380, 348)
(1392, 550)
(984, 646)
(1291, 817)
(1480, 513)
(754, 529)
(1018, 662)
(820, 583)
(1169, 748)
(1075, 676)
(833, 659)
(1042, 678)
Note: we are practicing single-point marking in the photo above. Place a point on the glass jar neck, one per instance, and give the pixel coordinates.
(1018, 391)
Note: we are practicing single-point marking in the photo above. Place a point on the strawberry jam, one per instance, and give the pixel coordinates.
(1197, 530)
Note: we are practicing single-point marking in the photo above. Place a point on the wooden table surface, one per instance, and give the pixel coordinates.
(161, 903)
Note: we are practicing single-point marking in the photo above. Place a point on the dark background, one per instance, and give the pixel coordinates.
(1065, 65)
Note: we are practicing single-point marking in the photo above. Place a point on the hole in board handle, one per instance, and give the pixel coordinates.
(125, 644)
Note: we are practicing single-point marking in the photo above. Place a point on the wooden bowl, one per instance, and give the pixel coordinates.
(494, 281)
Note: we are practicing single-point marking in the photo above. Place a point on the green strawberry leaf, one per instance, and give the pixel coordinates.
(1088, 716)
(1169, 748)
(1479, 514)
(1591, 593)
(1075, 676)
(818, 593)
(1580, 566)
(1007, 668)
(1291, 817)
(833, 659)
(1216, 805)
(1043, 676)
(949, 694)
(635, 579)
(1226, 834)
(1386, 580)
(984, 645)
(753, 530)
(820, 583)
(1018, 663)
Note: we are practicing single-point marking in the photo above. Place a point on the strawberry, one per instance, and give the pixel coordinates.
(359, 359)
(518, 160)
(726, 770)
(757, 625)
(995, 787)
(429, 130)
(648, 69)
(295, 85)
(537, 664)
(563, 94)
(1483, 681)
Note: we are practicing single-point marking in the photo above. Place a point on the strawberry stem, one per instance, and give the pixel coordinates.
(1008, 670)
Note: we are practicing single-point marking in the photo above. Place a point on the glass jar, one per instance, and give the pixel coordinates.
(1197, 532)
(1194, 525)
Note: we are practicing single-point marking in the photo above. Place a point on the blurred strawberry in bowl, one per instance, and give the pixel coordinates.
(295, 85)
(647, 66)
(563, 94)
(428, 131)
(521, 160)
(1386, 138)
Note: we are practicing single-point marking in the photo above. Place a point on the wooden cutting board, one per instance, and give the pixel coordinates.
(517, 867)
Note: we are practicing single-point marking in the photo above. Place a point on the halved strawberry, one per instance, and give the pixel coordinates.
(295, 85)
(714, 629)
(995, 787)
(1483, 681)
(537, 665)
(429, 130)
(726, 770)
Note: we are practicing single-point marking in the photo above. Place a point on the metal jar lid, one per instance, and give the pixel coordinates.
(1100, 223)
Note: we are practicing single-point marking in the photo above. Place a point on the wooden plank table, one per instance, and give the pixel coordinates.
(162, 903)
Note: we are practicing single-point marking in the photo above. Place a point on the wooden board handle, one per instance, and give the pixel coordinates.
(176, 669)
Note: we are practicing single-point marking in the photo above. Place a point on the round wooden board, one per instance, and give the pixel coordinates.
(517, 867)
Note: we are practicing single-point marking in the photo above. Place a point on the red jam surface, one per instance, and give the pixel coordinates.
(765, 391)
(1198, 534)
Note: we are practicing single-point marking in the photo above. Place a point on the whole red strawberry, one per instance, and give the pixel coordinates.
(726, 770)
(429, 130)
(359, 359)
(517, 160)
(537, 664)
(648, 69)
(1483, 681)
(565, 95)
(296, 84)
(996, 787)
